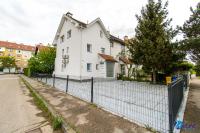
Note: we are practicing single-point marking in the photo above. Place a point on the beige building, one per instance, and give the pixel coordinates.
(22, 53)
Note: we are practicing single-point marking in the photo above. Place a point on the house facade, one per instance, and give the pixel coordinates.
(87, 50)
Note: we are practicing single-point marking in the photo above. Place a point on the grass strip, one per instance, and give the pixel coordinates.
(41, 104)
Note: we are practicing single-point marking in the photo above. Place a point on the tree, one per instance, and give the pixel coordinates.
(152, 45)
(43, 62)
(7, 62)
(191, 31)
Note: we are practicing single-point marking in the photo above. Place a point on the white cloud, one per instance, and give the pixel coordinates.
(35, 21)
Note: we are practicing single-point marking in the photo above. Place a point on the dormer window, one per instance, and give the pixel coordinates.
(101, 33)
(62, 38)
(69, 34)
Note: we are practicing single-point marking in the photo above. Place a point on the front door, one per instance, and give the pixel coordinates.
(110, 69)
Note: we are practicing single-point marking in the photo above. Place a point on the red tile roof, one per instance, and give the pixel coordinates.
(125, 60)
(108, 57)
(12, 45)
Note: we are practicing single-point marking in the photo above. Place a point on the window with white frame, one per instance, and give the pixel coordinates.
(89, 47)
(97, 66)
(103, 50)
(69, 34)
(89, 67)
(62, 38)
(10, 50)
(101, 33)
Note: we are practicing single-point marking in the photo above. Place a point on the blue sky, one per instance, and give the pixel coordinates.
(36, 21)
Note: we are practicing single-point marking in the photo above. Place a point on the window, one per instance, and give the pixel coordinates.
(89, 48)
(101, 33)
(9, 54)
(62, 68)
(18, 51)
(89, 67)
(69, 34)
(63, 51)
(111, 44)
(62, 38)
(97, 66)
(103, 50)
(10, 50)
(67, 50)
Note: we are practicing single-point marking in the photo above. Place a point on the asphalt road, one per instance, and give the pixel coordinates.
(18, 113)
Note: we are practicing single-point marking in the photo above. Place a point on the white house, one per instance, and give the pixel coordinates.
(87, 50)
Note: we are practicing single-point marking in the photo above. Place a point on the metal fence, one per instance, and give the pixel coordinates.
(150, 105)
(175, 96)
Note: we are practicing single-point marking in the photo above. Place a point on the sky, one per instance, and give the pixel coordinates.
(36, 21)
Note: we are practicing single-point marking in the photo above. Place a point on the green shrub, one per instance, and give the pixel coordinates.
(57, 123)
(27, 72)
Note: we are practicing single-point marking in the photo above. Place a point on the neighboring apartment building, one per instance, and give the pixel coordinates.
(87, 49)
(20, 52)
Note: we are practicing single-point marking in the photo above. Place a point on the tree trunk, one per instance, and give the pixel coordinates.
(154, 76)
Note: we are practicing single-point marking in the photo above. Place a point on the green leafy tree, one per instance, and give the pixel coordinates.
(152, 44)
(43, 62)
(7, 62)
(191, 31)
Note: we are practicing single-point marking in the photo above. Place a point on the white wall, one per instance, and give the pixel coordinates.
(78, 55)
(73, 67)
(91, 35)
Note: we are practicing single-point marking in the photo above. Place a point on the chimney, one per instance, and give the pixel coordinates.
(125, 38)
(69, 14)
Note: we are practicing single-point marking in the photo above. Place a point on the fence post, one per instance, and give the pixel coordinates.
(67, 83)
(92, 83)
(170, 108)
(54, 80)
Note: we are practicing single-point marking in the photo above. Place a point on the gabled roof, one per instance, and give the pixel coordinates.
(12, 45)
(98, 20)
(116, 39)
(80, 23)
(84, 25)
(107, 57)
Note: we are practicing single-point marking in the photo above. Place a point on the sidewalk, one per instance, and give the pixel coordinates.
(82, 116)
(192, 113)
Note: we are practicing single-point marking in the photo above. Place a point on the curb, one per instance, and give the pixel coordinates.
(64, 128)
